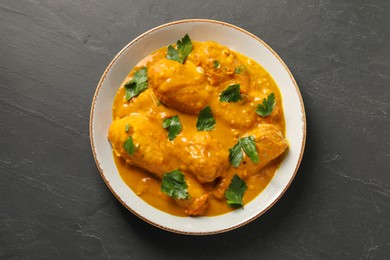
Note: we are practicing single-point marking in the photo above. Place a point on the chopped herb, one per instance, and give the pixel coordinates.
(231, 94)
(172, 54)
(129, 146)
(184, 48)
(267, 107)
(137, 84)
(235, 192)
(173, 125)
(127, 128)
(249, 146)
(240, 69)
(206, 120)
(174, 184)
(246, 145)
(216, 64)
(236, 155)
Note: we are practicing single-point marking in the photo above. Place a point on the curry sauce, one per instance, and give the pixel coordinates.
(183, 90)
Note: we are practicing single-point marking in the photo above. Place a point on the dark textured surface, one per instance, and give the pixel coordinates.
(53, 202)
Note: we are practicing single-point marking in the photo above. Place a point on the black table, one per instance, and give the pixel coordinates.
(53, 202)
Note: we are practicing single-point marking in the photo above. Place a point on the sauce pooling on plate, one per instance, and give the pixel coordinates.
(198, 129)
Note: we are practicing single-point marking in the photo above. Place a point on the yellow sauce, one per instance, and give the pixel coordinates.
(233, 120)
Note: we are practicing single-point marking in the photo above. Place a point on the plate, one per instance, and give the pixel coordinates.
(238, 40)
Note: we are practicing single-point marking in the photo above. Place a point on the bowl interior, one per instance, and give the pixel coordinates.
(236, 39)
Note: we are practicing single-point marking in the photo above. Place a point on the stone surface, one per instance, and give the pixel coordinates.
(54, 204)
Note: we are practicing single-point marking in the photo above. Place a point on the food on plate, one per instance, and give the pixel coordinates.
(198, 129)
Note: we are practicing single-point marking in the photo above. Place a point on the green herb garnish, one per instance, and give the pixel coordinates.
(129, 146)
(267, 107)
(216, 64)
(206, 120)
(127, 128)
(245, 145)
(240, 69)
(174, 184)
(184, 48)
(249, 146)
(173, 125)
(137, 84)
(236, 155)
(231, 94)
(235, 192)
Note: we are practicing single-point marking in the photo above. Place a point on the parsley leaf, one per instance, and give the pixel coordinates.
(236, 155)
(249, 146)
(174, 184)
(231, 94)
(172, 54)
(267, 107)
(127, 128)
(235, 192)
(184, 48)
(216, 64)
(246, 144)
(173, 125)
(206, 120)
(137, 84)
(129, 146)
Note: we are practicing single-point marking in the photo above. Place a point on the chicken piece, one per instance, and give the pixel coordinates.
(146, 101)
(270, 144)
(201, 156)
(196, 205)
(180, 86)
(197, 153)
(218, 62)
(149, 139)
(152, 154)
(256, 97)
(239, 115)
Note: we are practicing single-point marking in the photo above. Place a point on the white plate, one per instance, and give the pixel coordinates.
(236, 39)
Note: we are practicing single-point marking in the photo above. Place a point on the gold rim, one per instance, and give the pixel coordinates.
(191, 21)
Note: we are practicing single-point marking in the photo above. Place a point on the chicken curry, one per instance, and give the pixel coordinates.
(198, 129)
